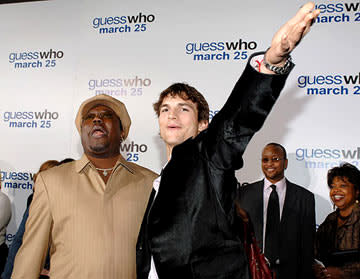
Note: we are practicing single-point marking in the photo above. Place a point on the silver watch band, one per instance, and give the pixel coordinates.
(276, 69)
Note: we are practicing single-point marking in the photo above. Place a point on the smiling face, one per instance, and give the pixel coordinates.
(178, 121)
(100, 132)
(343, 194)
(273, 163)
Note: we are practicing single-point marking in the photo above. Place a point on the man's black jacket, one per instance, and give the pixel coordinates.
(189, 227)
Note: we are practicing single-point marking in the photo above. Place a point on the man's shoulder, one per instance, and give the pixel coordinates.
(67, 168)
(300, 189)
(250, 189)
(60, 174)
(259, 182)
(250, 196)
(251, 186)
(138, 169)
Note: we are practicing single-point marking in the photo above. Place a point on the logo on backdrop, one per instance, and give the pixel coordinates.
(16, 180)
(338, 12)
(336, 85)
(30, 119)
(326, 158)
(119, 87)
(221, 50)
(35, 59)
(212, 113)
(132, 151)
(123, 24)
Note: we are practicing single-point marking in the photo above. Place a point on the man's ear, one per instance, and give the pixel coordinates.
(203, 124)
(285, 164)
(122, 134)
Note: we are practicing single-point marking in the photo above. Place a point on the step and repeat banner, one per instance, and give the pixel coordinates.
(55, 54)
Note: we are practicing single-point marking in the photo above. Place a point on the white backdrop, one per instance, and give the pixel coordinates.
(57, 53)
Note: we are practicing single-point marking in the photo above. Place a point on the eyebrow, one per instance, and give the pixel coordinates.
(179, 105)
(102, 110)
(185, 104)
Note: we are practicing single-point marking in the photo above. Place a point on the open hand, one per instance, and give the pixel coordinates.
(290, 34)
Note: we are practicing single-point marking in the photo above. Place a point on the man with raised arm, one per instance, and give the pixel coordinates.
(188, 230)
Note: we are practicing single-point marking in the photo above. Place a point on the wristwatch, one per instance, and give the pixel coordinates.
(279, 70)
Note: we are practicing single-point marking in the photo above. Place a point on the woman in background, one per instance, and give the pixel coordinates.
(337, 240)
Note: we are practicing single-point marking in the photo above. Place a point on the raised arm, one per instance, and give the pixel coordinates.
(289, 36)
(254, 95)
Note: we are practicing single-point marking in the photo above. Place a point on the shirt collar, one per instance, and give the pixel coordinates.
(84, 162)
(280, 185)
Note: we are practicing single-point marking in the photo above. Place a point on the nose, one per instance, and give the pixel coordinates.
(97, 119)
(335, 189)
(172, 114)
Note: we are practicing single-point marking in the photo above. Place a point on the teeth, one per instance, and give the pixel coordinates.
(338, 196)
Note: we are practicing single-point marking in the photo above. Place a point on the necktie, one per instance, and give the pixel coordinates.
(272, 238)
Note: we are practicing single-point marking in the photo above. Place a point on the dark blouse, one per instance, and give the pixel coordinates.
(330, 239)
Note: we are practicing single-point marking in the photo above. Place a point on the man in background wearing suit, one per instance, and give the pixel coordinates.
(283, 216)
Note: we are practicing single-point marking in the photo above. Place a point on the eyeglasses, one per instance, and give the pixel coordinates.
(273, 160)
(101, 115)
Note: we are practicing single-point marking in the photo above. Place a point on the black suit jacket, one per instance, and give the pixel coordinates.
(297, 226)
(189, 227)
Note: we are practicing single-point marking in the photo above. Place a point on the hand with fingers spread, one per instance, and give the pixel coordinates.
(289, 36)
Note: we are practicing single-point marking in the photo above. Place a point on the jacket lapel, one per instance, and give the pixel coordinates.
(290, 201)
(258, 221)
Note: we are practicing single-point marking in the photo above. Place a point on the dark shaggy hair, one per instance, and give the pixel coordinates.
(185, 92)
